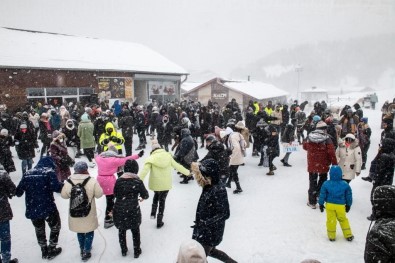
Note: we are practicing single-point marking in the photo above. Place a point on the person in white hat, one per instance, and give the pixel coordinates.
(349, 157)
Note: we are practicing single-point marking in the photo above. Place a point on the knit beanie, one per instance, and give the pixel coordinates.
(80, 167)
(191, 251)
(131, 166)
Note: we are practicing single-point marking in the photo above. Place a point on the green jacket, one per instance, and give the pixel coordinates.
(85, 132)
(160, 165)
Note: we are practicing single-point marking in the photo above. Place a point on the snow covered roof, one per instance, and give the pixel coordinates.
(256, 89)
(187, 86)
(30, 49)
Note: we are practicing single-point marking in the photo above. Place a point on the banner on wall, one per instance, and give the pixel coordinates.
(113, 87)
(162, 90)
(219, 94)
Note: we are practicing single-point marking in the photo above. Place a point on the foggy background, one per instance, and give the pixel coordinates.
(334, 43)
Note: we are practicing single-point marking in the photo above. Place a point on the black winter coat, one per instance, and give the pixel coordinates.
(45, 134)
(7, 190)
(126, 212)
(217, 151)
(5, 153)
(164, 133)
(380, 241)
(289, 134)
(186, 153)
(383, 169)
(72, 139)
(25, 144)
(211, 213)
(273, 148)
(126, 124)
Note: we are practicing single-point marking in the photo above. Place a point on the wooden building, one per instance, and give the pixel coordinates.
(57, 69)
(223, 91)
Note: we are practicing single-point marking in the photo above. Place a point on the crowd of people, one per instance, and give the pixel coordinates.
(336, 142)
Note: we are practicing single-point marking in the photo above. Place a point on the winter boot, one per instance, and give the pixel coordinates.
(140, 147)
(159, 222)
(185, 180)
(270, 172)
(367, 178)
(109, 222)
(86, 256)
(332, 239)
(311, 205)
(124, 252)
(274, 168)
(153, 211)
(44, 252)
(363, 167)
(15, 260)
(287, 165)
(238, 188)
(260, 163)
(53, 252)
(351, 238)
(137, 252)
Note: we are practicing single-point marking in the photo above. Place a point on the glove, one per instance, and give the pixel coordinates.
(348, 208)
(106, 141)
(16, 143)
(322, 208)
(141, 153)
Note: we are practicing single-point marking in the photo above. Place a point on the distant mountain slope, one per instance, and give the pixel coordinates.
(360, 61)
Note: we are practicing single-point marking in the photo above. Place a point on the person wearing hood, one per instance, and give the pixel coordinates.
(45, 134)
(212, 210)
(204, 123)
(140, 127)
(388, 126)
(87, 140)
(191, 252)
(126, 124)
(117, 108)
(6, 142)
(159, 166)
(64, 115)
(320, 155)
(129, 191)
(382, 168)
(165, 129)
(108, 164)
(38, 185)
(154, 119)
(380, 240)
(83, 226)
(301, 118)
(217, 151)
(337, 195)
(349, 157)
(111, 135)
(186, 152)
(25, 142)
(72, 139)
(273, 148)
(58, 151)
(7, 191)
(358, 110)
(34, 117)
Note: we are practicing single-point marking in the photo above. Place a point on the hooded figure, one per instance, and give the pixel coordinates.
(127, 214)
(186, 152)
(5, 151)
(111, 135)
(39, 184)
(191, 252)
(60, 155)
(337, 195)
(212, 209)
(380, 241)
(349, 157)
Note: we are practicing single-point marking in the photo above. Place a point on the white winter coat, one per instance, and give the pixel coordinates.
(93, 190)
(349, 159)
(237, 156)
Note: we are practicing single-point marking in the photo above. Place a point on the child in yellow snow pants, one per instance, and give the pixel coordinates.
(337, 195)
(336, 212)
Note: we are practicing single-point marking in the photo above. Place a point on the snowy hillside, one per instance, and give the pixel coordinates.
(269, 221)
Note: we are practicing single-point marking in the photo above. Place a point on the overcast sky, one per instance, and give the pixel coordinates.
(217, 35)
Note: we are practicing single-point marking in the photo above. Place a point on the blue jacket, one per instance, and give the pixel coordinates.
(39, 184)
(336, 191)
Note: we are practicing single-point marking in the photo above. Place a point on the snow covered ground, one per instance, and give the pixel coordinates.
(269, 221)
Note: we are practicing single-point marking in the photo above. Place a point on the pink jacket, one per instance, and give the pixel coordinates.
(107, 167)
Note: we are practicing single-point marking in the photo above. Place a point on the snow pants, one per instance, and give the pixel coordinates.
(334, 213)
(54, 224)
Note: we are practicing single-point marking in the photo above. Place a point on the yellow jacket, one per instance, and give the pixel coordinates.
(115, 138)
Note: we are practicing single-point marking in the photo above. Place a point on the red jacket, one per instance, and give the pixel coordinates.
(320, 152)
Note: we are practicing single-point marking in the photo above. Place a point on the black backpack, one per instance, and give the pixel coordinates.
(79, 201)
